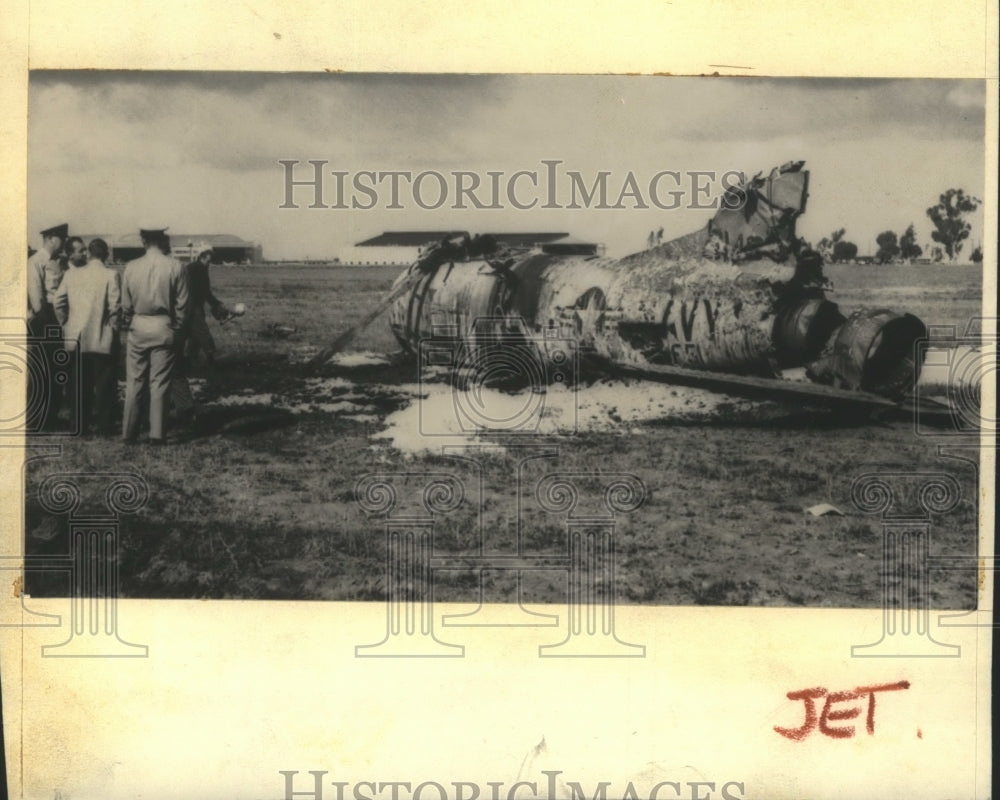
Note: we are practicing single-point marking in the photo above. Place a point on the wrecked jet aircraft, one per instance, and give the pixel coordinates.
(728, 307)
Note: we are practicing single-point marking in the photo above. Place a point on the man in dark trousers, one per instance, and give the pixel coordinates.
(87, 305)
(199, 337)
(196, 337)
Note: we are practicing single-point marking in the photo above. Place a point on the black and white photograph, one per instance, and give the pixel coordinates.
(416, 402)
(736, 300)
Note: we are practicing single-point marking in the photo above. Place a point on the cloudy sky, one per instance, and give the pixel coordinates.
(108, 151)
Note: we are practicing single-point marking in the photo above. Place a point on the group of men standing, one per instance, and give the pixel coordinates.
(155, 308)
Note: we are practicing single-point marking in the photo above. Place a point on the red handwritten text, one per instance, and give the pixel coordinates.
(834, 710)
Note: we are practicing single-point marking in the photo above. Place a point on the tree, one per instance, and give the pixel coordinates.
(947, 216)
(827, 244)
(888, 249)
(845, 251)
(908, 247)
(977, 256)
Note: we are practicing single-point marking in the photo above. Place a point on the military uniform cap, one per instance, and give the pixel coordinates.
(152, 230)
(57, 230)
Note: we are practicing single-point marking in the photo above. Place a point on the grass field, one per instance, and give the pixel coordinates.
(939, 294)
(258, 501)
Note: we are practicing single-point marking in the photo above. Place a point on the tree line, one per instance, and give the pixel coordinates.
(951, 229)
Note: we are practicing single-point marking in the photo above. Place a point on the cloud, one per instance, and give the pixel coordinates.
(82, 120)
(202, 148)
(246, 121)
(967, 95)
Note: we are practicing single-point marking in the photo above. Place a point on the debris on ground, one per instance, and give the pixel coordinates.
(823, 509)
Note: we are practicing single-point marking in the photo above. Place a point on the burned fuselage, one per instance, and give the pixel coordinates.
(741, 297)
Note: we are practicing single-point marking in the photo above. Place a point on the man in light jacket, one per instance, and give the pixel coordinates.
(154, 308)
(87, 305)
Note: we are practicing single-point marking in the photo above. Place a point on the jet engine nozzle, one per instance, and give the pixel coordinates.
(874, 351)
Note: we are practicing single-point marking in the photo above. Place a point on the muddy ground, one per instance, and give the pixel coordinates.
(257, 498)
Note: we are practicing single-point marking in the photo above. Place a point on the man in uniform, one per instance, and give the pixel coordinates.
(87, 304)
(44, 274)
(43, 271)
(154, 307)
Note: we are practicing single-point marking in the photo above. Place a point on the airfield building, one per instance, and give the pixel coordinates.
(401, 248)
(227, 249)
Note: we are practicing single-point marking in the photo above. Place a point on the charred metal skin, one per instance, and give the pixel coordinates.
(741, 297)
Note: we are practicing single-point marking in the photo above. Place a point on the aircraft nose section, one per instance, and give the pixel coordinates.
(874, 351)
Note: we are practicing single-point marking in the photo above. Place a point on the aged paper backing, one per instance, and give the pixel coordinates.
(234, 692)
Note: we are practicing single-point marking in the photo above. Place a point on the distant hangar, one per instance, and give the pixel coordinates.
(401, 248)
(226, 248)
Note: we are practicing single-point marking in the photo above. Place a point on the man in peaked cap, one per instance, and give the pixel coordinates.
(44, 276)
(154, 308)
(40, 274)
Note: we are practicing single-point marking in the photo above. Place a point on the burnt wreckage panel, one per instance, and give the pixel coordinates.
(739, 300)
